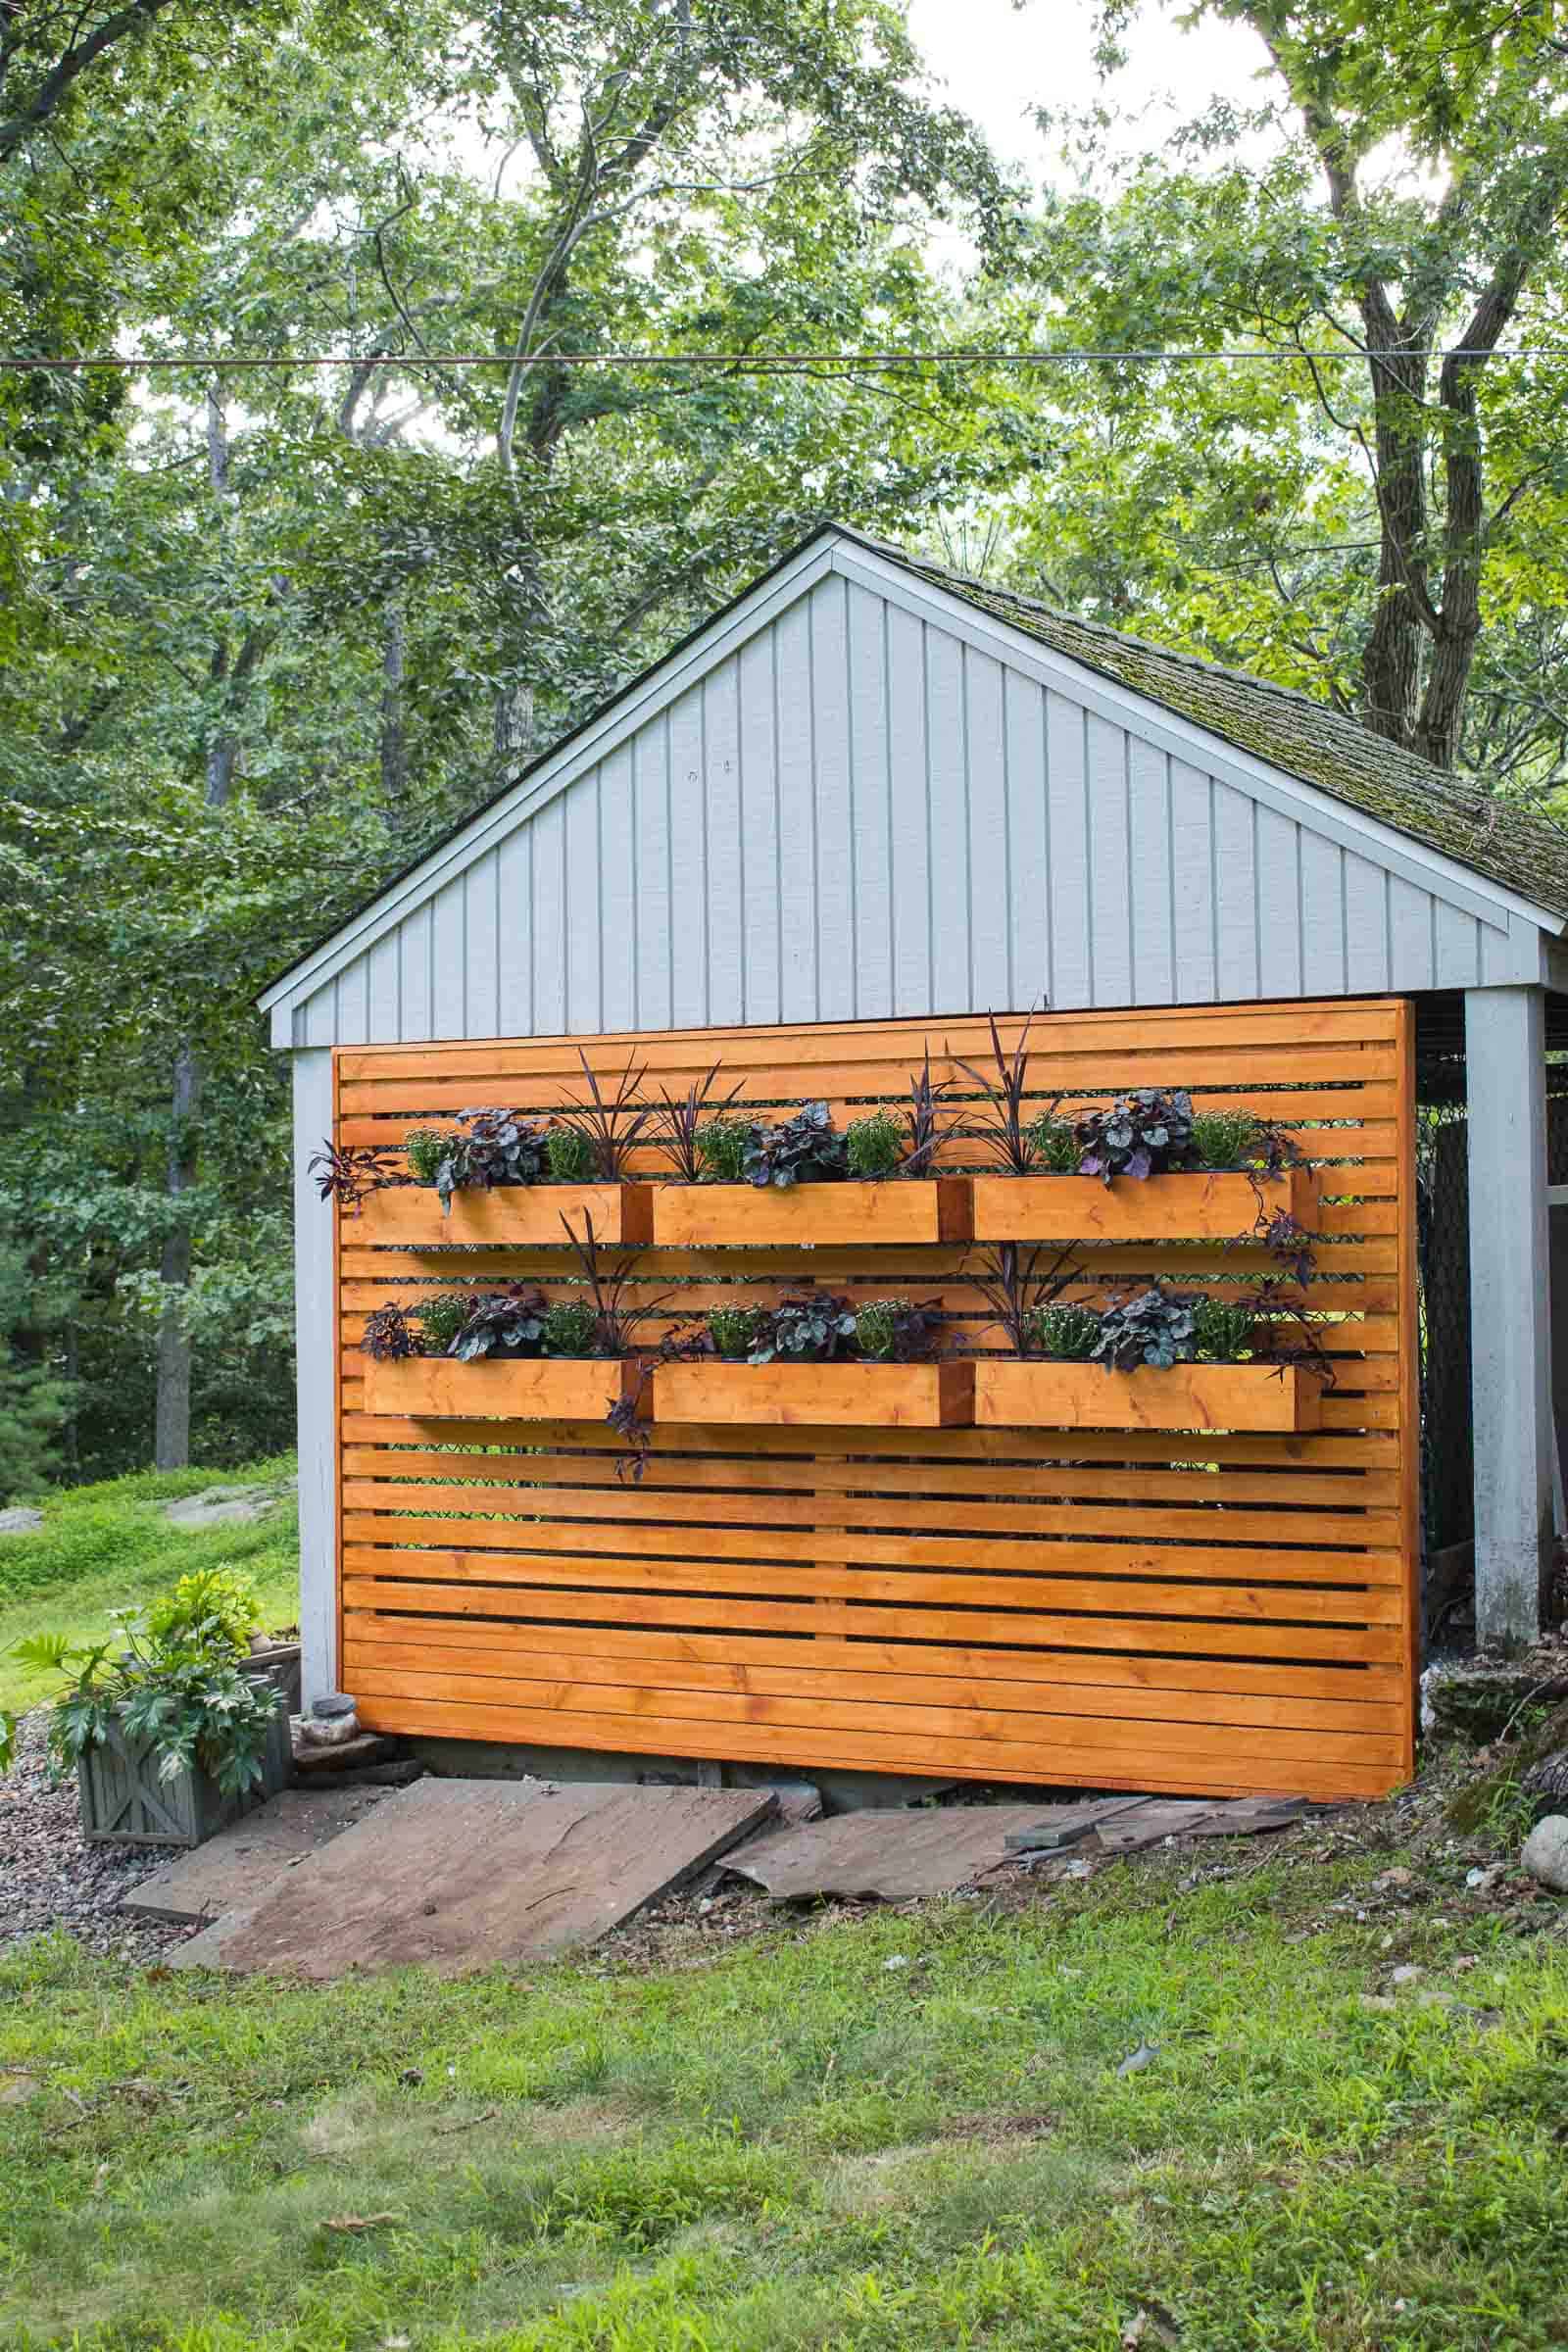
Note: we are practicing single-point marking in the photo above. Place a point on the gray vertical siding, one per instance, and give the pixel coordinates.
(857, 812)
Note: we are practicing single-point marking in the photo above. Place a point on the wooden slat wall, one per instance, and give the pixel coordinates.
(1141, 1610)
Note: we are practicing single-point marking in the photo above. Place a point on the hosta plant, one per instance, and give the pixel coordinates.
(189, 1700)
(897, 1331)
(805, 1150)
(806, 1327)
(1143, 1134)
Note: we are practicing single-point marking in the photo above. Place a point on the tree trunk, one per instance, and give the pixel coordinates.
(393, 738)
(172, 1436)
(1391, 665)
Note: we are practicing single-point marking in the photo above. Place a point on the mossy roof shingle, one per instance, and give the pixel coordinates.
(1525, 851)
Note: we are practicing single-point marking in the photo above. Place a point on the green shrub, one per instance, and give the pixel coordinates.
(1067, 1333)
(1055, 1144)
(1223, 1138)
(425, 1151)
(734, 1330)
(721, 1146)
(441, 1319)
(571, 1328)
(570, 1155)
(1222, 1334)
(214, 1610)
(875, 1146)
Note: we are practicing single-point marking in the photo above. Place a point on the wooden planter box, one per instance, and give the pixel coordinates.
(1035, 1395)
(509, 1214)
(817, 1396)
(1203, 1206)
(437, 1388)
(126, 1800)
(280, 1665)
(689, 1216)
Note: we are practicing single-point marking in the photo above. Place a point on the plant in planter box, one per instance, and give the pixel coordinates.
(498, 1148)
(610, 1125)
(681, 1126)
(389, 1336)
(211, 1608)
(805, 1326)
(805, 1150)
(442, 1318)
(570, 1328)
(1222, 1330)
(922, 1120)
(1146, 1132)
(509, 1322)
(896, 1330)
(735, 1331)
(346, 1173)
(1019, 1289)
(1156, 1326)
(874, 1147)
(569, 1152)
(1055, 1144)
(721, 1148)
(185, 1698)
(1068, 1334)
(1239, 1140)
(1002, 1123)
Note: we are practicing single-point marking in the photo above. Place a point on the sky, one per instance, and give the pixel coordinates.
(998, 61)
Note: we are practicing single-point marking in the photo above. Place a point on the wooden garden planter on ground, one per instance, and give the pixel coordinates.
(522, 1213)
(126, 1801)
(690, 1216)
(1035, 1395)
(819, 1395)
(437, 1388)
(1203, 1206)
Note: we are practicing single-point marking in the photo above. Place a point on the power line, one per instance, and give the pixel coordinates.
(773, 363)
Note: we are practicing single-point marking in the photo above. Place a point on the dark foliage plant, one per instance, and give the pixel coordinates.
(1143, 1134)
(390, 1336)
(897, 1331)
(874, 1147)
(1000, 1123)
(610, 1282)
(805, 1150)
(681, 1121)
(509, 1322)
(805, 1326)
(611, 1122)
(348, 1173)
(922, 1119)
(1020, 1287)
(721, 1146)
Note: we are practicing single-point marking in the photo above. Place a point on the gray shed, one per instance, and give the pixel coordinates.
(872, 789)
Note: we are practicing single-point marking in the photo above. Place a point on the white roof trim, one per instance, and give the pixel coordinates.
(842, 552)
(1367, 836)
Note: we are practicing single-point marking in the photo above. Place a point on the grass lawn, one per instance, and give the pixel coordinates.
(109, 1546)
(883, 2132)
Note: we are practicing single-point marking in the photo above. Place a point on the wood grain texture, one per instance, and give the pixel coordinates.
(1209, 1206)
(811, 1215)
(1220, 1610)
(560, 1388)
(1009, 1395)
(817, 1396)
(509, 1216)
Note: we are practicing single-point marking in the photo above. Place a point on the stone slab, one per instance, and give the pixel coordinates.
(459, 1875)
(1057, 1827)
(245, 1861)
(892, 1856)
(348, 1756)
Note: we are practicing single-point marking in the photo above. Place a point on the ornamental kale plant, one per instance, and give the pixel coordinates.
(1156, 1327)
(188, 1699)
(390, 1336)
(873, 1147)
(735, 1331)
(895, 1331)
(498, 1147)
(682, 1121)
(1143, 1134)
(806, 1327)
(721, 1148)
(805, 1150)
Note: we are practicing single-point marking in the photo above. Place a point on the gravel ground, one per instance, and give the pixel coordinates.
(50, 1876)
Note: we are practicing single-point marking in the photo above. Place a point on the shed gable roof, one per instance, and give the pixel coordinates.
(1393, 797)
